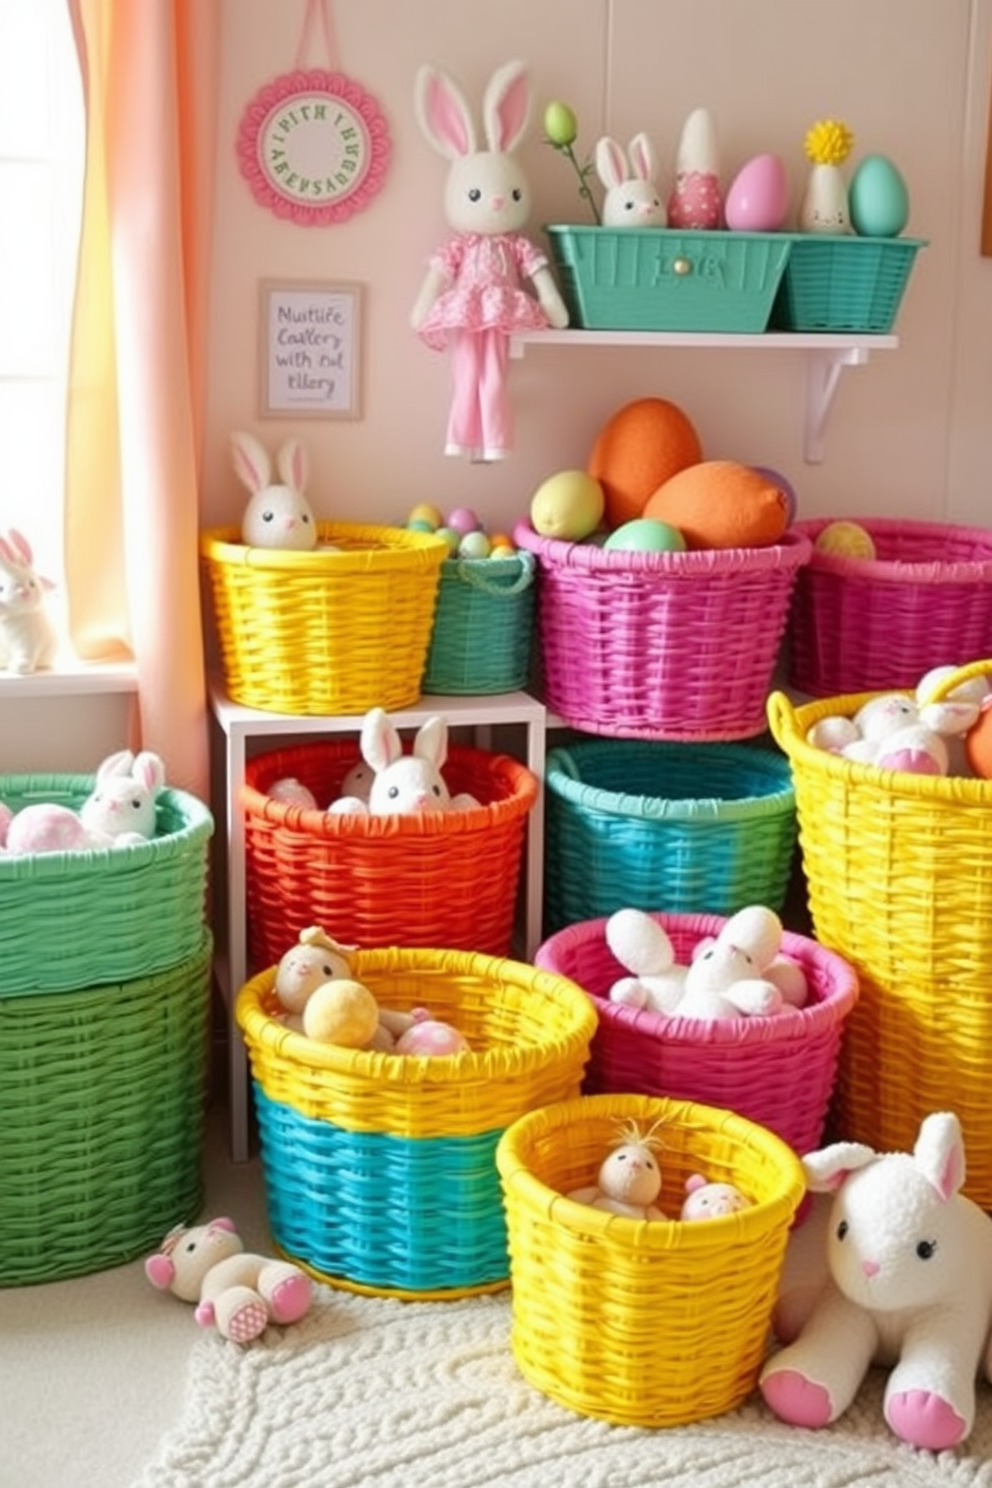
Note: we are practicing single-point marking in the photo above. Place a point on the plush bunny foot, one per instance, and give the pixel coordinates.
(796, 1399)
(290, 1299)
(247, 1323)
(925, 1420)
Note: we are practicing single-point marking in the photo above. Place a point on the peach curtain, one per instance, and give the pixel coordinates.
(137, 360)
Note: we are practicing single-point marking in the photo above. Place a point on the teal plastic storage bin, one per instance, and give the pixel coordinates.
(660, 279)
(483, 626)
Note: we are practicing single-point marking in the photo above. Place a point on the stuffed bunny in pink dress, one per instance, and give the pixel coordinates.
(472, 298)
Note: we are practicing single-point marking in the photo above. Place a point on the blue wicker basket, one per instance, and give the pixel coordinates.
(661, 825)
(483, 626)
(844, 283)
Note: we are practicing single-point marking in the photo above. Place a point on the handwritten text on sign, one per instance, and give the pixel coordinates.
(310, 353)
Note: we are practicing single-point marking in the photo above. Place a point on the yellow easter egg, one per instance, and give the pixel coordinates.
(845, 540)
(567, 506)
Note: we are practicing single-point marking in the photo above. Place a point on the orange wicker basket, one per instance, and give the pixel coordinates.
(444, 879)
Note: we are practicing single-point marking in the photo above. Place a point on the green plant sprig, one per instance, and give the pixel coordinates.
(560, 132)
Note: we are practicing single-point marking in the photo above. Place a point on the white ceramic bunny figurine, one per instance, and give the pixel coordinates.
(277, 515)
(404, 784)
(27, 635)
(631, 198)
(471, 298)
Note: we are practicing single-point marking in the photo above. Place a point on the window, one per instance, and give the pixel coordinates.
(41, 176)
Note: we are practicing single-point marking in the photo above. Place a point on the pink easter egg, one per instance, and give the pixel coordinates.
(463, 519)
(695, 201)
(758, 197)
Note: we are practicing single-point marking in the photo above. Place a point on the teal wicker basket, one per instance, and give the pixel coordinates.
(102, 1099)
(660, 279)
(664, 826)
(844, 283)
(79, 919)
(483, 626)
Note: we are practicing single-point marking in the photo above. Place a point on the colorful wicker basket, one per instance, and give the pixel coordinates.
(379, 1168)
(843, 283)
(643, 1323)
(661, 645)
(447, 878)
(76, 919)
(334, 632)
(779, 1072)
(102, 1098)
(899, 874)
(650, 824)
(484, 626)
(866, 625)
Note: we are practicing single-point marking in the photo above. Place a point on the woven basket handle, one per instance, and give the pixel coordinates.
(781, 716)
(956, 678)
(477, 580)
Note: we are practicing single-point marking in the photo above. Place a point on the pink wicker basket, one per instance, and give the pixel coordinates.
(661, 645)
(779, 1072)
(867, 625)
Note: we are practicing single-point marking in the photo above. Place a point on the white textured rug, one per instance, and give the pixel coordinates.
(370, 1391)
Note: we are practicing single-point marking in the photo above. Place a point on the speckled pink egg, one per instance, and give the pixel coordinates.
(758, 197)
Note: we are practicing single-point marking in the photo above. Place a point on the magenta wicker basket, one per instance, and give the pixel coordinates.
(779, 1072)
(661, 645)
(867, 625)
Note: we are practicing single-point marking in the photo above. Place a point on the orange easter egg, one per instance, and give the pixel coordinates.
(722, 504)
(638, 448)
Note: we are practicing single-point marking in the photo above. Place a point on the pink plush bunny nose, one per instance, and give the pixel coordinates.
(870, 1268)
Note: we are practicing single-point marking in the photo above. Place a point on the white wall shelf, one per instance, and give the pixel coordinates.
(826, 355)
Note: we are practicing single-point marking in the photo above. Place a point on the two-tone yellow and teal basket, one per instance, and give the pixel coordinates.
(379, 1168)
(644, 1322)
(899, 874)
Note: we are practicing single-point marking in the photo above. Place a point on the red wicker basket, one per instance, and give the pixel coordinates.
(661, 645)
(779, 1071)
(871, 624)
(448, 879)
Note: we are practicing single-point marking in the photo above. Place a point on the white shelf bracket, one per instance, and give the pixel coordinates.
(823, 370)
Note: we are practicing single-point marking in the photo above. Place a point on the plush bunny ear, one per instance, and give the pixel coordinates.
(507, 107)
(443, 113)
(611, 163)
(643, 164)
(251, 461)
(939, 1152)
(149, 771)
(119, 763)
(293, 464)
(380, 741)
(431, 742)
(827, 1169)
(19, 548)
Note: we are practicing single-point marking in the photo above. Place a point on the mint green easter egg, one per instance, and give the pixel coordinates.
(646, 535)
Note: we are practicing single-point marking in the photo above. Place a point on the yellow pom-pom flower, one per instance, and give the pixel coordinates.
(829, 142)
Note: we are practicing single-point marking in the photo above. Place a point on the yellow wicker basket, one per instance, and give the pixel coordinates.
(899, 874)
(334, 632)
(643, 1323)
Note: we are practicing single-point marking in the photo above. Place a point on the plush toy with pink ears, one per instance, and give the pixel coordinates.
(903, 1278)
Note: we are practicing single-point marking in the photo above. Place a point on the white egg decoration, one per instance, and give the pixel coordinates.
(878, 199)
(758, 197)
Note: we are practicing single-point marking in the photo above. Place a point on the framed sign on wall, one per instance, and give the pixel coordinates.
(310, 336)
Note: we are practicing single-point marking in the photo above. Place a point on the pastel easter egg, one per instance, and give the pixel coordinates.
(568, 506)
(474, 545)
(878, 200)
(645, 535)
(758, 197)
(463, 519)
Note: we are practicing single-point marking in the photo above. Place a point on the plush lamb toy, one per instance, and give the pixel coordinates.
(403, 784)
(907, 1283)
(235, 1291)
(119, 812)
(738, 973)
(629, 1178)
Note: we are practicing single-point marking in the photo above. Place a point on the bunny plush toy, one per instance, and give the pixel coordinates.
(631, 198)
(119, 812)
(278, 515)
(27, 636)
(403, 784)
(472, 297)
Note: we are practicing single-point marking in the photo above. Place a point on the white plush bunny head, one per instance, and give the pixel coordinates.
(405, 783)
(123, 803)
(487, 190)
(632, 198)
(278, 515)
(898, 1235)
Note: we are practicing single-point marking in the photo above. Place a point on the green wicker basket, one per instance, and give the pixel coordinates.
(844, 283)
(78, 919)
(483, 626)
(660, 279)
(102, 1098)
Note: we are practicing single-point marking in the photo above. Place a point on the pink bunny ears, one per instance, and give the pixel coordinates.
(446, 120)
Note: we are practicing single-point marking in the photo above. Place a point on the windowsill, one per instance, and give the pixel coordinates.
(71, 678)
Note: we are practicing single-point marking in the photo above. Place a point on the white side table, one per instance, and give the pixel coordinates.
(243, 727)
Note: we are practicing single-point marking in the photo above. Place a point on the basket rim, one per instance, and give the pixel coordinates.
(667, 1234)
(417, 1069)
(334, 825)
(588, 229)
(791, 551)
(197, 826)
(801, 1023)
(662, 808)
(931, 571)
(790, 724)
(388, 547)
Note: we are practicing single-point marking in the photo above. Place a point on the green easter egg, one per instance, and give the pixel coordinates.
(645, 535)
